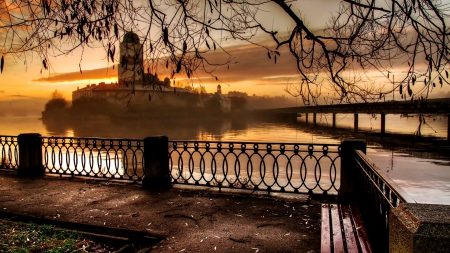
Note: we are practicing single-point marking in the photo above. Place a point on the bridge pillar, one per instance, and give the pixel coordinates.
(306, 118)
(314, 119)
(355, 122)
(334, 120)
(383, 123)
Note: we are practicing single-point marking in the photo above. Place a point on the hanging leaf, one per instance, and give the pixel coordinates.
(166, 36)
(446, 74)
(111, 55)
(413, 80)
(275, 59)
(179, 66)
(2, 63)
(44, 63)
(278, 53)
(167, 64)
(268, 54)
(184, 46)
(400, 89)
(388, 74)
(214, 46)
(409, 91)
(116, 31)
(151, 47)
(440, 81)
(210, 6)
(425, 81)
(207, 44)
(434, 84)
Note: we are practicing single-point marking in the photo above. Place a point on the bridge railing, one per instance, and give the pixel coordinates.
(278, 167)
(375, 194)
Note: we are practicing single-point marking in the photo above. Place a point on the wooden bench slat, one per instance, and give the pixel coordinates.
(348, 229)
(325, 234)
(362, 236)
(338, 243)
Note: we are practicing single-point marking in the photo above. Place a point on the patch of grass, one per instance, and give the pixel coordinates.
(23, 238)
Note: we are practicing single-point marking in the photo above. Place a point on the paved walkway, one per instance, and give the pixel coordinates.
(187, 220)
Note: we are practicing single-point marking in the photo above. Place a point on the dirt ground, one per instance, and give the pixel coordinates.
(189, 220)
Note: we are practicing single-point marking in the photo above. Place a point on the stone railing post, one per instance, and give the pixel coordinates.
(348, 164)
(419, 228)
(156, 161)
(30, 155)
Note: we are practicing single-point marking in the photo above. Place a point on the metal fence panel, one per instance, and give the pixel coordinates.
(9, 152)
(280, 167)
(104, 158)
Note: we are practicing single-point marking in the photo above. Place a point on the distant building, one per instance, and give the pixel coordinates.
(132, 80)
(225, 103)
(131, 59)
(237, 94)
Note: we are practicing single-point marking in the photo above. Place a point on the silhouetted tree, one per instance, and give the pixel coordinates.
(57, 102)
(361, 36)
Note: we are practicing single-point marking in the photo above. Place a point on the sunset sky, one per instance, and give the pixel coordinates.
(253, 73)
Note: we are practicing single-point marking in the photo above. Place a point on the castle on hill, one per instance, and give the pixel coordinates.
(147, 90)
(145, 87)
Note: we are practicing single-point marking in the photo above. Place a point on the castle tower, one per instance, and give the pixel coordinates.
(131, 60)
(219, 89)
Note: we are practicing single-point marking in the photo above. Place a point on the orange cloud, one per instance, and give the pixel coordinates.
(77, 76)
(250, 63)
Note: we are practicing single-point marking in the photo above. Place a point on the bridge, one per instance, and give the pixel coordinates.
(428, 106)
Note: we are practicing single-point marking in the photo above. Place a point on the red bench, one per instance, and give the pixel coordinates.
(343, 230)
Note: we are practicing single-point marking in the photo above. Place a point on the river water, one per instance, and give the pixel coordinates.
(426, 179)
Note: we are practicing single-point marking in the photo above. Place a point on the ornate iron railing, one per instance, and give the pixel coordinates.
(105, 158)
(375, 195)
(9, 152)
(286, 167)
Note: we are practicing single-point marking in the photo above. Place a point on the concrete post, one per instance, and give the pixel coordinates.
(348, 165)
(156, 163)
(355, 122)
(334, 120)
(419, 228)
(314, 119)
(30, 155)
